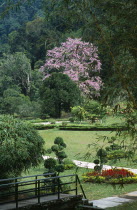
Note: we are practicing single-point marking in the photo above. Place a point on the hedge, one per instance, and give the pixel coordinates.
(43, 127)
(79, 127)
(93, 128)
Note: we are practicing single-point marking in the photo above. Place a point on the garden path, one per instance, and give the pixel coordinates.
(116, 201)
(91, 165)
(84, 164)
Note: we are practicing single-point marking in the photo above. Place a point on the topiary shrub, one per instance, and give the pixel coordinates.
(96, 161)
(58, 140)
(60, 168)
(102, 155)
(20, 147)
(50, 165)
(58, 149)
(97, 167)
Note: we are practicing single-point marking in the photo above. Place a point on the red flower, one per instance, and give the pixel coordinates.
(112, 173)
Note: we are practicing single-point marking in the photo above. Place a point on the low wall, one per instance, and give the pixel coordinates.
(69, 203)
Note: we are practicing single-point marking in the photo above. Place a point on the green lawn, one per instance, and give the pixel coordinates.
(80, 143)
(77, 141)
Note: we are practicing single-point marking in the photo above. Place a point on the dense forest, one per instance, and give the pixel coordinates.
(30, 30)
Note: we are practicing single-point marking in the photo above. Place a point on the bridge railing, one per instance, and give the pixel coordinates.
(15, 190)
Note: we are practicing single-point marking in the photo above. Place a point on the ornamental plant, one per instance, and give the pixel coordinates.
(57, 164)
(114, 175)
(102, 155)
(79, 60)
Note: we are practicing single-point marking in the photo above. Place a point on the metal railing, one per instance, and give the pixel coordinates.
(15, 190)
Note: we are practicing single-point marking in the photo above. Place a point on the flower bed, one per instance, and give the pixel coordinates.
(116, 176)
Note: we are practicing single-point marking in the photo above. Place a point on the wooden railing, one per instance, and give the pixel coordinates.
(15, 190)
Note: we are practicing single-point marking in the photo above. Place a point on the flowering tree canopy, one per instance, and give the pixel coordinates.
(79, 60)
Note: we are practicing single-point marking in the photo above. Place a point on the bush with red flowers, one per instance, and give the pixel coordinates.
(114, 175)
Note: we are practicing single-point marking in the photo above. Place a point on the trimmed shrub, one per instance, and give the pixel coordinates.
(50, 164)
(92, 128)
(58, 149)
(43, 127)
(58, 140)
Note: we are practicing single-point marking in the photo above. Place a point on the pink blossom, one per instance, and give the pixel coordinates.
(77, 59)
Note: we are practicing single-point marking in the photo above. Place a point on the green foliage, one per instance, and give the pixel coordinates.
(59, 141)
(58, 92)
(58, 149)
(43, 127)
(93, 128)
(71, 119)
(55, 148)
(68, 164)
(61, 155)
(18, 69)
(13, 102)
(64, 123)
(94, 108)
(117, 155)
(101, 153)
(78, 112)
(60, 168)
(53, 122)
(20, 147)
(96, 161)
(50, 164)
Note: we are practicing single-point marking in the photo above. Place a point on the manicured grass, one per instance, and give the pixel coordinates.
(78, 142)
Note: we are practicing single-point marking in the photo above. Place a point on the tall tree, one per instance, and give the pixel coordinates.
(59, 93)
(79, 60)
(17, 70)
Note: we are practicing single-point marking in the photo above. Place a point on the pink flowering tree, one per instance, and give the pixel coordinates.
(79, 60)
